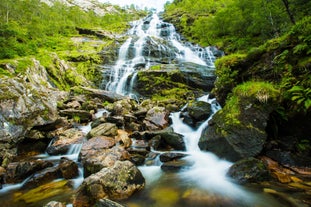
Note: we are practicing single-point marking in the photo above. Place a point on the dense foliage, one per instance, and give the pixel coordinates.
(28, 25)
(235, 24)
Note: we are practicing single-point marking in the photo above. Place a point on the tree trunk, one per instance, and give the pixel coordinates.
(290, 14)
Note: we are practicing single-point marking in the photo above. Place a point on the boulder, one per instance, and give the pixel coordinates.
(68, 168)
(170, 156)
(64, 139)
(54, 204)
(45, 176)
(249, 170)
(118, 182)
(105, 129)
(156, 118)
(24, 105)
(103, 94)
(237, 132)
(78, 115)
(168, 138)
(100, 152)
(175, 165)
(107, 203)
(18, 171)
(196, 112)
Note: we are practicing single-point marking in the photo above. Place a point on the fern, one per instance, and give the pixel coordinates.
(301, 97)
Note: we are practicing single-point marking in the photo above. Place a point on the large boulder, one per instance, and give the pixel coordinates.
(172, 82)
(23, 105)
(105, 129)
(18, 171)
(239, 130)
(196, 112)
(166, 137)
(100, 152)
(64, 140)
(157, 118)
(249, 170)
(237, 141)
(117, 183)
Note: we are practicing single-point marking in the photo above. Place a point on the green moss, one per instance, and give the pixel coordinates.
(262, 91)
(227, 70)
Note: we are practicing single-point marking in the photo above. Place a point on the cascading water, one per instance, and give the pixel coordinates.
(150, 42)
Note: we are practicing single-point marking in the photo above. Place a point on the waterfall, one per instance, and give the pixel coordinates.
(150, 41)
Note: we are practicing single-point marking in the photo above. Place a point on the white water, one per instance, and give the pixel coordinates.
(133, 54)
(208, 171)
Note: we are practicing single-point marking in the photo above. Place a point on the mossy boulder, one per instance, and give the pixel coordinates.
(177, 82)
(196, 112)
(249, 170)
(239, 129)
(117, 183)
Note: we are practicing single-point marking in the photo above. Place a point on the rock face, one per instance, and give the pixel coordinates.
(241, 137)
(117, 183)
(22, 106)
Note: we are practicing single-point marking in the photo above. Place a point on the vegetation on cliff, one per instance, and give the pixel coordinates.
(235, 24)
(52, 31)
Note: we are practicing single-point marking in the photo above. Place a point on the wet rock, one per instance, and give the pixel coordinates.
(54, 204)
(98, 153)
(277, 171)
(45, 176)
(18, 171)
(249, 170)
(123, 107)
(137, 159)
(25, 105)
(107, 203)
(118, 120)
(156, 118)
(123, 138)
(241, 137)
(175, 165)
(170, 156)
(104, 95)
(63, 141)
(287, 158)
(168, 137)
(2, 176)
(196, 112)
(155, 142)
(30, 147)
(68, 168)
(117, 183)
(105, 129)
(79, 115)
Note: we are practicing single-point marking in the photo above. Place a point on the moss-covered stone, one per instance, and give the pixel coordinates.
(238, 130)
